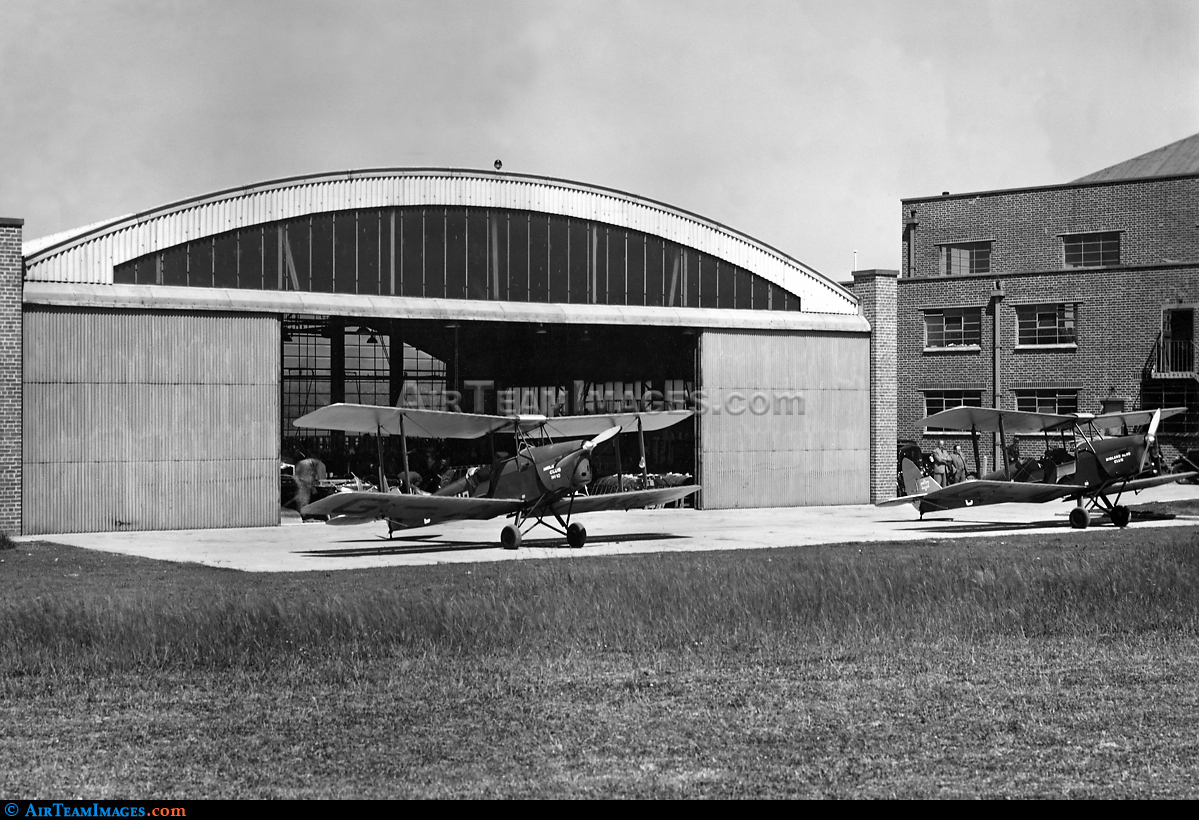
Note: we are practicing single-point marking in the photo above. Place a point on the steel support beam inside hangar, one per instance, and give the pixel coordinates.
(164, 353)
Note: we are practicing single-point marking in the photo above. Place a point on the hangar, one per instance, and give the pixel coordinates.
(155, 362)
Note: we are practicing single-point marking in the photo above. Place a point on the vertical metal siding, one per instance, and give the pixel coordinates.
(149, 421)
(773, 459)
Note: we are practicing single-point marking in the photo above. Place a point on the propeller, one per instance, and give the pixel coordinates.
(611, 432)
(1150, 438)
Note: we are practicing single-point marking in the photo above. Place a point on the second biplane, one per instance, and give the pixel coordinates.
(542, 483)
(1087, 466)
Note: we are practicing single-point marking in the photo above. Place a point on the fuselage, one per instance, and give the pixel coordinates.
(549, 469)
(1093, 464)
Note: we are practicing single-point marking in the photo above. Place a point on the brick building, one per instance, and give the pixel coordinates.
(1058, 298)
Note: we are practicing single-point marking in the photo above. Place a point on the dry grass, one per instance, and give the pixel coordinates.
(1000, 667)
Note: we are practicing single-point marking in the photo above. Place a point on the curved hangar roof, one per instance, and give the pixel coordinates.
(89, 256)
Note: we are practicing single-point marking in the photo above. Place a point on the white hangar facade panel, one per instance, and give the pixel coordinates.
(144, 420)
(786, 418)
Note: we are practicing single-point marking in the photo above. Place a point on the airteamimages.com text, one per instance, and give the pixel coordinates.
(535, 402)
(83, 809)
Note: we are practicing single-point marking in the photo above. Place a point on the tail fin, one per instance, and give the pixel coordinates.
(914, 482)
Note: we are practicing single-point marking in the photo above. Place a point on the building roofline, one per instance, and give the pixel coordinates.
(1058, 187)
(72, 236)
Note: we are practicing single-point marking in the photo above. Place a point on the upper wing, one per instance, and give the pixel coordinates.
(369, 418)
(987, 420)
(411, 509)
(980, 493)
(583, 426)
(634, 499)
(1137, 418)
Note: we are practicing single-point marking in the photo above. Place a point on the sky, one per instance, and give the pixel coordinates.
(801, 123)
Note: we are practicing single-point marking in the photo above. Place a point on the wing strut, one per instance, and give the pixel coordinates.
(407, 482)
(978, 465)
(1003, 449)
(619, 469)
(641, 443)
(382, 472)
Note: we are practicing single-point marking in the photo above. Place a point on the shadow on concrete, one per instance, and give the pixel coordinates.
(422, 544)
(1097, 519)
(992, 526)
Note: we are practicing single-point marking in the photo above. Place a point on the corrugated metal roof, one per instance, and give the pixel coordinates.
(88, 255)
(1175, 159)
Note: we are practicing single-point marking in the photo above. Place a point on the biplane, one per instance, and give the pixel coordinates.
(544, 483)
(1082, 462)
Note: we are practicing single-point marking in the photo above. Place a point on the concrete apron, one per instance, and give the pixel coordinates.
(296, 546)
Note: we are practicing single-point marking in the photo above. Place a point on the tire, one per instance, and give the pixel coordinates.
(576, 535)
(1080, 519)
(1121, 516)
(510, 537)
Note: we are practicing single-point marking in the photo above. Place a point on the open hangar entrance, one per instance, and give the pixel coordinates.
(493, 367)
(781, 414)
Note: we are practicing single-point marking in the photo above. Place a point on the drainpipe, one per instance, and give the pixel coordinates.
(996, 376)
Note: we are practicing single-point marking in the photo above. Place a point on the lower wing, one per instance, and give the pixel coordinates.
(409, 510)
(634, 499)
(1138, 484)
(981, 493)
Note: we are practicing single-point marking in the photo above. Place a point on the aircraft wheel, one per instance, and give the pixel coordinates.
(510, 537)
(1121, 516)
(576, 535)
(1079, 518)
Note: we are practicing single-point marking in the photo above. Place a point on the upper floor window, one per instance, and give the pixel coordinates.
(1092, 250)
(1051, 324)
(1047, 400)
(937, 400)
(952, 327)
(966, 257)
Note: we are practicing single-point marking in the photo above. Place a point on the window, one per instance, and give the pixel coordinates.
(1092, 250)
(1051, 324)
(966, 257)
(952, 327)
(1047, 400)
(937, 400)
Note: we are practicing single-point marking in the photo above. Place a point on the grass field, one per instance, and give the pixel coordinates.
(1042, 665)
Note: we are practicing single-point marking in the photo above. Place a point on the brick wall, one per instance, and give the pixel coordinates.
(11, 282)
(1158, 218)
(1118, 309)
(876, 292)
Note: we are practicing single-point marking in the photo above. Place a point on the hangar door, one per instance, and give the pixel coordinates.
(148, 420)
(785, 420)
